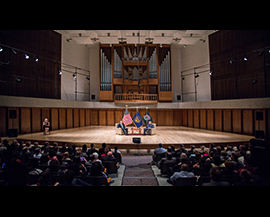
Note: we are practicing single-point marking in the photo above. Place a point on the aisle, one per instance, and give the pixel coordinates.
(137, 172)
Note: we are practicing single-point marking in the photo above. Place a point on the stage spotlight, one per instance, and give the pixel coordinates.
(26, 56)
(211, 73)
(1, 49)
(183, 78)
(232, 61)
(18, 79)
(74, 75)
(196, 76)
(60, 72)
(36, 58)
(261, 53)
(246, 57)
(254, 81)
(88, 78)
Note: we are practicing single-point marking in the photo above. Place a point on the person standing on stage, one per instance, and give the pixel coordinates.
(46, 125)
(122, 126)
(148, 128)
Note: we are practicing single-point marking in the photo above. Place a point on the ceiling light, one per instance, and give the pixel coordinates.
(26, 56)
(232, 61)
(13, 51)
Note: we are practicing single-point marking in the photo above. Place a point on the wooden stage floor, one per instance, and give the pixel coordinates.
(165, 135)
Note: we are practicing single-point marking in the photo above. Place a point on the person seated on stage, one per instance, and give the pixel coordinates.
(122, 126)
(46, 125)
(148, 128)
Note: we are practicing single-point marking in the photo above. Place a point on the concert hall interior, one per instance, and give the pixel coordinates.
(206, 92)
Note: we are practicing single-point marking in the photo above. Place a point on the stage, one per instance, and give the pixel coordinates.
(165, 135)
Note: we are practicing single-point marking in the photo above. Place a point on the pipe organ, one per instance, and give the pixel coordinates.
(143, 70)
(105, 72)
(165, 73)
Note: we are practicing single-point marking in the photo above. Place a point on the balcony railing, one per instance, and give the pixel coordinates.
(149, 98)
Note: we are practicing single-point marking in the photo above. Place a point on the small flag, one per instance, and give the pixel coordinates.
(137, 119)
(127, 118)
(147, 117)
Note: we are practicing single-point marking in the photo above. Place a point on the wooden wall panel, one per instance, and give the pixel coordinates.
(25, 120)
(237, 121)
(227, 120)
(260, 125)
(196, 118)
(153, 113)
(87, 117)
(62, 118)
(82, 117)
(210, 119)
(177, 117)
(94, 117)
(190, 118)
(54, 119)
(118, 115)
(3, 122)
(76, 118)
(161, 117)
(69, 118)
(247, 121)
(110, 117)
(218, 119)
(185, 117)
(203, 119)
(14, 123)
(102, 117)
(169, 117)
(36, 120)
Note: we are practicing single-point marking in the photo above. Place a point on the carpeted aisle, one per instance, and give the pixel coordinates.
(137, 172)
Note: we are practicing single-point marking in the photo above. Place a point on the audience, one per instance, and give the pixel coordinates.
(213, 166)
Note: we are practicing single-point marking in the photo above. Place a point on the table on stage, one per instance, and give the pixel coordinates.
(136, 130)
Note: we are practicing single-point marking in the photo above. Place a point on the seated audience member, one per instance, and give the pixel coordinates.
(91, 150)
(183, 174)
(78, 167)
(211, 148)
(109, 157)
(64, 148)
(66, 161)
(102, 150)
(229, 150)
(217, 162)
(234, 159)
(84, 152)
(166, 159)
(106, 150)
(215, 175)
(224, 156)
(160, 150)
(246, 179)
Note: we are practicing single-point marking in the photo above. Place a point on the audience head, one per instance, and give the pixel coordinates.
(215, 174)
